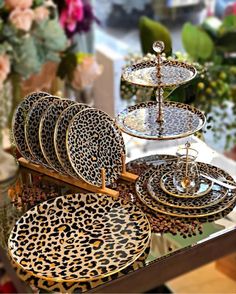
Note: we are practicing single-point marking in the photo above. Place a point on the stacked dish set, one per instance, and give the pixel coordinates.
(86, 237)
(68, 137)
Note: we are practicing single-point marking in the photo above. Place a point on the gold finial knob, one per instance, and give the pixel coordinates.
(187, 144)
(158, 47)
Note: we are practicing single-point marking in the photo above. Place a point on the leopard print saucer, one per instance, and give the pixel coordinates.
(46, 132)
(95, 142)
(202, 187)
(215, 195)
(148, 200)
(80, 237)
(60, 135)
(180, 120)
(18, 122)
(32, 128)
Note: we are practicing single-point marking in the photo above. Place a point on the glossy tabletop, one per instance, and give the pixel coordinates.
(171, 252)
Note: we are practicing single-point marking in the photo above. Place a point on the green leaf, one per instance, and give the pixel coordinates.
(151, 31)
(197, 42)
(67, 66)
(51, 34)
(5, 47)
(26, 57)
(226, 42)
(229, 22)
(53, 56)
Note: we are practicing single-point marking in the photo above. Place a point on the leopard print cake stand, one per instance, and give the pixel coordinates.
(160, 120)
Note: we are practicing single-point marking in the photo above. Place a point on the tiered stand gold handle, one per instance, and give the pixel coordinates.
(159, 47)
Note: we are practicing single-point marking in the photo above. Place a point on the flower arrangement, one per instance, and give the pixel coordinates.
(76, 16)
(30, 37)
(78, 68)
(38, 44)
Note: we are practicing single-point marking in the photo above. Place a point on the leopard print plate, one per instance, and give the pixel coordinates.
(60, 135)
(46, 132)
(94, 142)
(65, 287)
(216, 194)
(32, 128)
(202, 187)
(148, 200)
(172, 73)
(79, 237)
(180, 120)
(18, 122)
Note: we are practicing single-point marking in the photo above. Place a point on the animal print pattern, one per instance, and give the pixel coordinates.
(215, 195)
(80, 237)
(66, 287)
(180, 120)
(46, 132)
(32, 128)
(60, 135)
(173, 73)
(94, 142)
(148, 200)
(18, 122)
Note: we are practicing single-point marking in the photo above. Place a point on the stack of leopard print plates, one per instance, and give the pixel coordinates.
(71, 138)
(156, 189)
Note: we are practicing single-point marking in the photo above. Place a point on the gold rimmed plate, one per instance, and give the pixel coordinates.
(215, 194)
(47, 129)
(32, 128)
(61, 127)
(100, 237)
(173, 73)
(94, 142)
(179, 120)
(155, 205)
(19, 120)
(76, 287)
(203, 186)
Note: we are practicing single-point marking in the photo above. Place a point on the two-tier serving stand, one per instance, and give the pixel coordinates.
(160, 120)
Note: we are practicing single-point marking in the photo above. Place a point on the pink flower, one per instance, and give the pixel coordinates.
(22, 19)
(72, 14)
(4, 68)
(86, 73)
(22, 4)
(41, 13)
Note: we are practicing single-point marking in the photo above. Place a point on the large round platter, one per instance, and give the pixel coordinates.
(148, 200)
(173, 73)
(180, 120)
(215, 195)
(94, 142)
(18, 123)
(60, 135)
(32, 128)
(76, 287)
(99, 238)
(46, 131)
